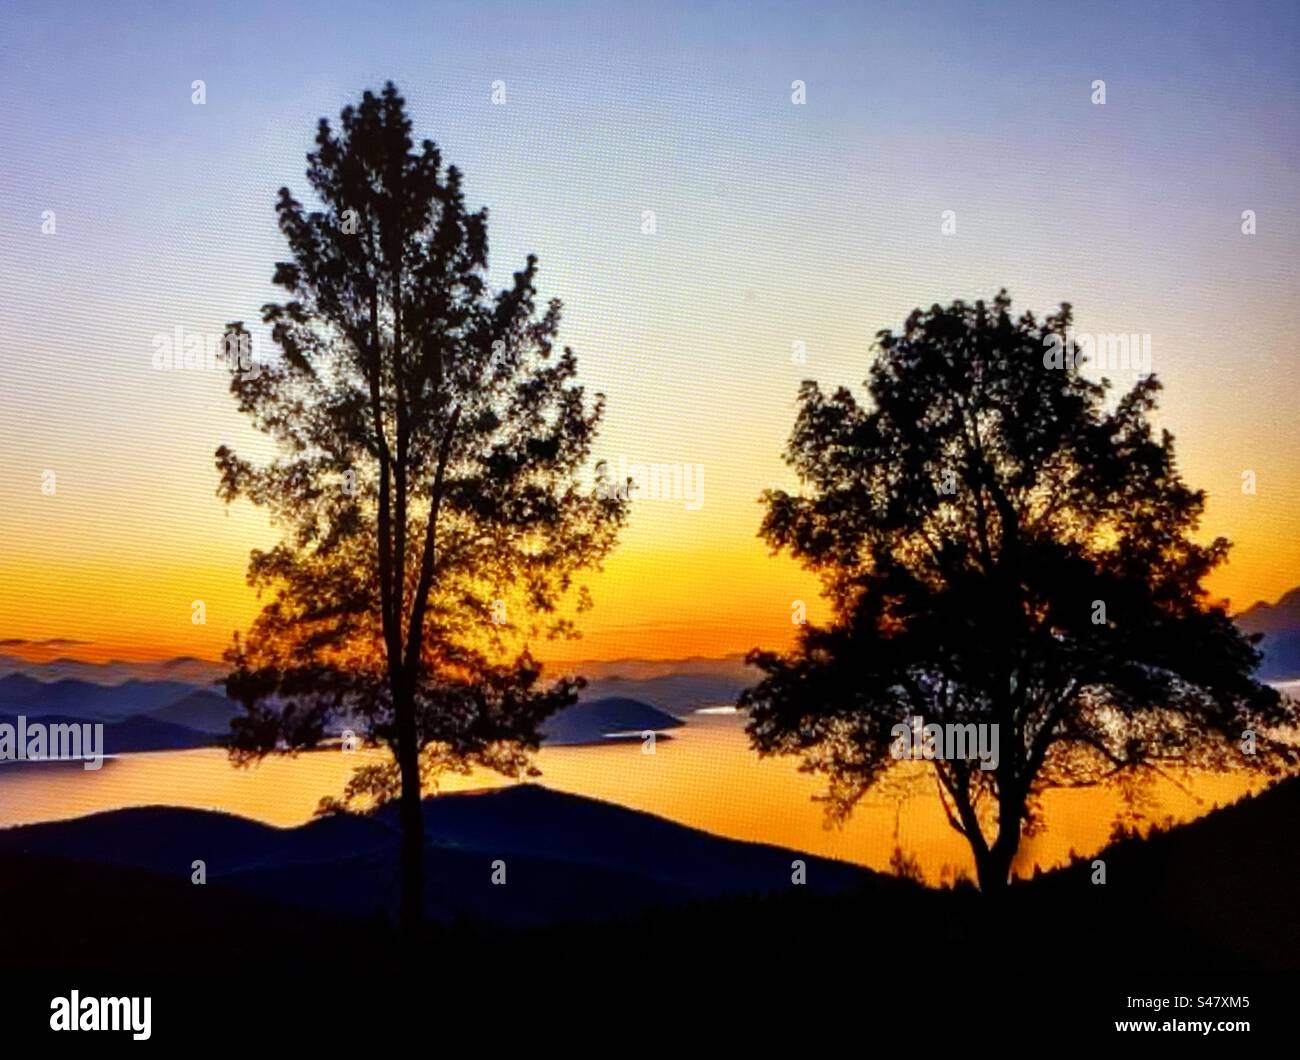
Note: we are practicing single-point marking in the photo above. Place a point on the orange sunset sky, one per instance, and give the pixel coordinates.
(775, 224)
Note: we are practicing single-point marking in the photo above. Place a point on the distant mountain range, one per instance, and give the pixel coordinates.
(184, 707)
(172, 715)
(679, 694)
(139, 732)
(186, 668)
(21, 694)
(136, 715)
(201, 710)
(599, 720)
(675, 685)
(1280, 624)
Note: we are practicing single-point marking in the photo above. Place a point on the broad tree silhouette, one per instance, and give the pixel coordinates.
(430, 440)
(1002, 542)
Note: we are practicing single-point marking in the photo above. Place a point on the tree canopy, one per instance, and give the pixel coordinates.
(430, 441)
(1002, 542)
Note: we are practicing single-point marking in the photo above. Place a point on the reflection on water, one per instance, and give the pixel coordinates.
(705, 777)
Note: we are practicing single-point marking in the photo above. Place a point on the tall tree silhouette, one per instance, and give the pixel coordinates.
(430, 440)
(1002, 542)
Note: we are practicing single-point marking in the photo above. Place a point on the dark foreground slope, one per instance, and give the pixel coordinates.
(597, 882)
(513, 858)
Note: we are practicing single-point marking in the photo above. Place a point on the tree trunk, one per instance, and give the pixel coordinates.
(412, 821)
(994, 866)
(994, 869)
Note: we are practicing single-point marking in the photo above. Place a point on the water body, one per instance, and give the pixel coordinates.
(705, 777)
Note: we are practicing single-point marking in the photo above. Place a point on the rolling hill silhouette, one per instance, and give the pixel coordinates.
(567, 858)
(596, 878)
